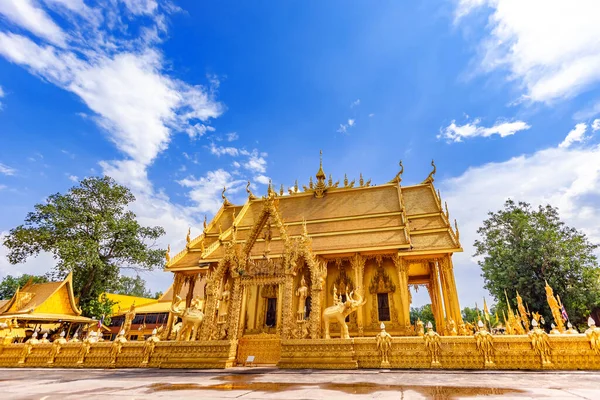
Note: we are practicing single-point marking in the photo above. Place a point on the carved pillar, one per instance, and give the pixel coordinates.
(243, 311)
(233, 312)
(213, 291)
(448, 273)
(358, 266)
(402, 268)
(287, 315)
(191, 281)
(317, 297)
(177, 283)
(444, 288)
(436, 297)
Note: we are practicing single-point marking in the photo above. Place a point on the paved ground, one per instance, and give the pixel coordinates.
(266, 383)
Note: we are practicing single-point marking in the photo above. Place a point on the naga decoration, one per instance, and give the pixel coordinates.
(149, 346)
(226, 202)
(339, 311)
(117, 346)
(593, 334)
(251, 195)
(56, 346)
(398, 178)
(431, 177)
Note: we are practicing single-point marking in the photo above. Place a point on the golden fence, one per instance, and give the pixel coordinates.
(563, 352)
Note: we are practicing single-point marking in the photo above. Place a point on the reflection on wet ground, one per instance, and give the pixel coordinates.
(236, 382)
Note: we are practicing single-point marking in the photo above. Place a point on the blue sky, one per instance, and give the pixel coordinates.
(177, 98)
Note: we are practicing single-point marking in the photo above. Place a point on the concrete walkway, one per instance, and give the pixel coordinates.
(270, 383)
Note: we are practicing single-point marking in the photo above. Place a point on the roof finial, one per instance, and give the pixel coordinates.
(457, 232)
(446, 207)
(188, 239)
(167, 255)
(398, 178)
(225, 201)
(430, 177)
(361, 181)
(281, 190)
(204, 224)
(345, 180)
(251, 195)
(320, 174)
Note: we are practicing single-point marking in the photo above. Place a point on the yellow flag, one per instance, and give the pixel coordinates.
(486, 312)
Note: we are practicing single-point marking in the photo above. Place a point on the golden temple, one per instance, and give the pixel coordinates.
(318, 277)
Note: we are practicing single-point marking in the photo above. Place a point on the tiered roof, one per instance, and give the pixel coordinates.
(339, 219)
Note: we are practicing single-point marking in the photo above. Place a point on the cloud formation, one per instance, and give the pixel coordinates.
(6, 170)
(550, 47)
(457, 133)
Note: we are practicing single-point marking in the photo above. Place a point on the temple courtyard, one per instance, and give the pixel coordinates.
(270, 383)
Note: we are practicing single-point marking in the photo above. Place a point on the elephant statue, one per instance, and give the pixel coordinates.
(338, 313)
(191, 318)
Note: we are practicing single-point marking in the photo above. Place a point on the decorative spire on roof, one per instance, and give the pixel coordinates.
(320, 174)
(204, 224)
(294, 190)
(167, 254)
(430, 178)
(321, 186)
(251, 195)
(226, 202)
(270, 191)
(188, 239)
(398, 178)
(281, 190)
(361, 181)
(457, 232)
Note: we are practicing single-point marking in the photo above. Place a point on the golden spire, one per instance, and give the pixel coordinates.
(430, 177)
(225, 201)
(330, 182)
(345, 180)
(361, 181)
(398, 178)
(251, 195)
(446, 207)
(204, 224)
(296, 186)
(188, 239)
(270, 188)
(320, 174)
(167, 255)
(281, 190)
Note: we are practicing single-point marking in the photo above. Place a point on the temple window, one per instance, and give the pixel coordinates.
(271, 318)
(383, 306)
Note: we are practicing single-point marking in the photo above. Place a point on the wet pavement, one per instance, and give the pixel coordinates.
(271, 383)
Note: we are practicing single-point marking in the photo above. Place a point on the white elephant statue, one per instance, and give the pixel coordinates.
(191, 318)
(338, 313)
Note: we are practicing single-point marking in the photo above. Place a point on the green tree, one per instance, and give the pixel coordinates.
(133, 287)
(522, 248)
(90, 231)
(470, 314)
(10, 283)
(423, 313)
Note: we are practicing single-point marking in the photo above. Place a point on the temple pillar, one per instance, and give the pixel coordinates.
(358, 266)
(213, 289)
(177, 283)
(243, 311)
(402, 269)
(436, 297)
(444, 289)
(233, 311)
(447, 272)
(317, 297)
(286, 315)
(191, 281)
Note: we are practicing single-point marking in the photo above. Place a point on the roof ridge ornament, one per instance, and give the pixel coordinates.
(398, 178)
(167, 254)
(251, 195)
(226, 202)
(204, 223)
(430, 178)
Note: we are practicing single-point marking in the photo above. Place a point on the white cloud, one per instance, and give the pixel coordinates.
(256, 163)
(456, 133)
(567, 178)
(6, 170)
(1, 96)
(550, 47)
(73, 178)
(140, 7)
(220, 150)
(232, 136)
(262, 179)
(206, 191)
(355, 103)
(26, 15)
(574, 136)
(596, 125)
(351, 122)
(371, 115)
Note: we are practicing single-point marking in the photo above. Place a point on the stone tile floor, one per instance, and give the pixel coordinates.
(271, 383)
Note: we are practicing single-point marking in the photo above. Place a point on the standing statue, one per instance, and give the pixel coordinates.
(56, 345)
(419, 328)
(555, 307)
(224, 303)
(302, 294)
(116, 347)
(485, 344)
(149, 346)
(593, 334)
(384, 346)
(129, 316)
(540, 342)
(338, 313)
(433, 345)
(191, 318)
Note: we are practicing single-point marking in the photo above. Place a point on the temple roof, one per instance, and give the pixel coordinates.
(44, 299)
(345, 219)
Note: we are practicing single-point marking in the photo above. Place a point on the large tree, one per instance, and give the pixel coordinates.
(521, 248)
(91, 232)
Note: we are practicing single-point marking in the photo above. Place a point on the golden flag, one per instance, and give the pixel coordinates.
(486, 312)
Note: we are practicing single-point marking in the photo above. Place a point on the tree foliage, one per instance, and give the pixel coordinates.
(423, 313)
(10, 283)
(91, 232)
(522, 248)
(133, 287)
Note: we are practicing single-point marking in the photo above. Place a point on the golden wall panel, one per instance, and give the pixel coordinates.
(265, 350)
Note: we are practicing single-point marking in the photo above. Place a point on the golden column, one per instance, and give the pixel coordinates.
(286, 316)
(436, 296)
(402, 269)
(234, 310)
(447, 271)
(358, 266)
(318, 279)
